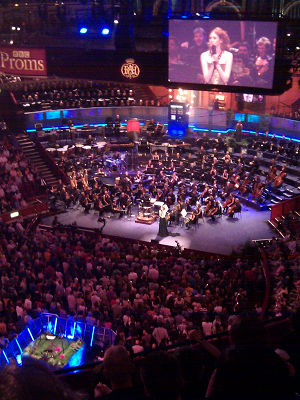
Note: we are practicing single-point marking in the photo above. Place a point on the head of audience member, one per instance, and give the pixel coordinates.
(243, 51)
(118, 367)
(33, 380)
(199, 36)
(263, 46)
(248, 331)
(161, 376)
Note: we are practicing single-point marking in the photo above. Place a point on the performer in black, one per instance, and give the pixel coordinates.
(238, 130)
(163, 231)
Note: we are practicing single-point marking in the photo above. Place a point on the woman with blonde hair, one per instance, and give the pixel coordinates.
(216, 62)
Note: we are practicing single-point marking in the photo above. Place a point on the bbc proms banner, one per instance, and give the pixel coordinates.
(23, 61)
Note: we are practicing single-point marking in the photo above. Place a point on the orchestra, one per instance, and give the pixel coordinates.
(190, 187)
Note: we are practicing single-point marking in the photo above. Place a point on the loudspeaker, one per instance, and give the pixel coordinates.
(154, 241)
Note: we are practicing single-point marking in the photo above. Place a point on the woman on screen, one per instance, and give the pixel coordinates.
(217, 61)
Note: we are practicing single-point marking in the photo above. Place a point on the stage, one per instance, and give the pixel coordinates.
(221, 236)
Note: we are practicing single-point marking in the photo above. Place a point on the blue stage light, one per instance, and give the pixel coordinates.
(32, 338)
(19, 359)
(55, 324)
(5, 356)
(92, 337)
(19, 346)
(83, 30)
(105, 31)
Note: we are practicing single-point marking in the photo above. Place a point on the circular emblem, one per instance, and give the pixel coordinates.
(129, 69)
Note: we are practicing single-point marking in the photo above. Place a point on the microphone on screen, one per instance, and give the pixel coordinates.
(213, 51)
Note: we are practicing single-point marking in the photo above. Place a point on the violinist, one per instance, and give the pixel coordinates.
(159, 195)
(153, 187)
(244, 187)
(225, 175)
(139, 177)
(235, 208)
(236, 182)
(174, 179)
(193, 219)
(227, 156)
(212, 208)
(215, 188)
(229, 202)
(258, 188)
(227, 190)
(213, 173)
(204, 194)
(254, 164)
(155, 156)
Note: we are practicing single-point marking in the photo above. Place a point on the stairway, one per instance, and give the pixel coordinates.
(31, 152)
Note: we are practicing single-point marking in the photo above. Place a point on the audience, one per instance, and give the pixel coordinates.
(18, 178)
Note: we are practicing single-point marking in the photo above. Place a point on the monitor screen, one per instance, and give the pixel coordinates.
(53, 114)
(253, 118)
(239, 117)
(70, 113)
(222, 52)
(253, 98)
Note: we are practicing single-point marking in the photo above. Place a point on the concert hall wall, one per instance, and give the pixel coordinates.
(107, 65)
(97, 115)
(200, 117)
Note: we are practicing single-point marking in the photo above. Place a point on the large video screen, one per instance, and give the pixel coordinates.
(219, 52)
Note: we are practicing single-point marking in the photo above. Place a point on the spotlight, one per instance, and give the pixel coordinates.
(105, 31)
(116, 21)
(83, 30)
(13, 28)
(18, 28)
(11, 42)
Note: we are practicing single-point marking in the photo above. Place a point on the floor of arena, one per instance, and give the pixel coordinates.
(221, 236)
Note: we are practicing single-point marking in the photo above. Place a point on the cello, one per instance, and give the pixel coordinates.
(278, 181)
